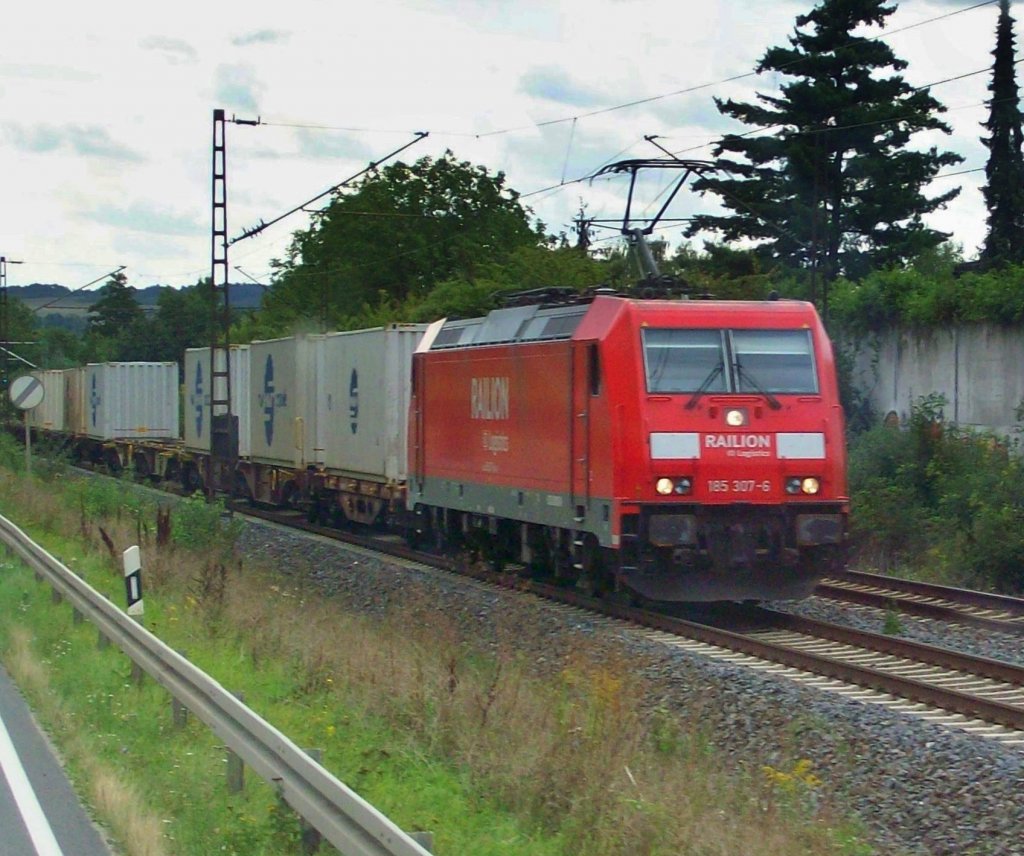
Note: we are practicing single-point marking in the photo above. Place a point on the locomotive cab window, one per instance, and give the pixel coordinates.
(684, 360)
(773, 361)
(738, 361)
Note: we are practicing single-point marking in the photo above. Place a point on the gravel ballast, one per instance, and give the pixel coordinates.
(919, 788)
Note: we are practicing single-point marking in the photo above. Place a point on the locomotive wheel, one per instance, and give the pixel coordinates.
(591, 580)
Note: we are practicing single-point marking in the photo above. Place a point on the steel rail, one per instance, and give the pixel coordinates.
(944, 603)
(340, 815)
(982, 600)
(954, 701)
(1011, 716)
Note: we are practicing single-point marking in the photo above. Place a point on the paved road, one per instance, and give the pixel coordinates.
(39, 813)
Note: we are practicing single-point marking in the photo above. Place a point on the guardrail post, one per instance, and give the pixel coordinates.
(424, 839)
(56, 596)
(102, 642)
(179, 713)
(311, 837)
(236, 768)
(76, 616)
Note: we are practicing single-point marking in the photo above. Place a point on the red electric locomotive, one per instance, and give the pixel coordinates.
(684, 450)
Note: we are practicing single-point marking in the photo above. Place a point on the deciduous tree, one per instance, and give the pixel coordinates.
(400, 232)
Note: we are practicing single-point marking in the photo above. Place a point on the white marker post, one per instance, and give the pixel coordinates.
(133, 581)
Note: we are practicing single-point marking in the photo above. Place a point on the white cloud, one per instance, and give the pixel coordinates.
(108, 113)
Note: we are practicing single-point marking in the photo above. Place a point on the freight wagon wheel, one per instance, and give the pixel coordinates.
(141, 464)
(113, 461)
(290, 496)
(191, 481)
(241, 490)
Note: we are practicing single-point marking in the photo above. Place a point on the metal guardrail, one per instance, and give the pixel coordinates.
(340, 815)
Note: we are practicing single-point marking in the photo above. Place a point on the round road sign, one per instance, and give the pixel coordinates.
(26, 392)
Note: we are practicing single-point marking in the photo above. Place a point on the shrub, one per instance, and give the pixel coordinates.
(931, 493)
(199, 525)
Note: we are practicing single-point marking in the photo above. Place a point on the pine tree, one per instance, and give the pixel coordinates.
(1004, 190)
(835, 186)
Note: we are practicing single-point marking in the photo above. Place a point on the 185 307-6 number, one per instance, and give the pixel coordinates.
(739, 486)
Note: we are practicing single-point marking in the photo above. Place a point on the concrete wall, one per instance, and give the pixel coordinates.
(979, 368)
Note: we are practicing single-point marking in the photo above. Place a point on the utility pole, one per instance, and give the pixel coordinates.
(223, 456)
(5, 328)
(4, 325)
(223, 429)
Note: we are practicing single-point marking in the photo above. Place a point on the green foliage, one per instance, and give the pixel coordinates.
(932, 494)
(12, 453)
(58, 348)
(525, 268)
(838, 186)
(199, 525)
(100, 499)
(891, 624)
(929, 293)
(730, 274)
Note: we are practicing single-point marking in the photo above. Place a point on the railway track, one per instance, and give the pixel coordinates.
(960, 691)
(927, 600)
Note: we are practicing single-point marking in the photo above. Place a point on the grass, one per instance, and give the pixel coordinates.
(438, 735)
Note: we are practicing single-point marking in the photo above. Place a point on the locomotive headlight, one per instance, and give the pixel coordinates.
(683, 486)
(810, 485)
(802, 484)
(664, 486)
(736, 418)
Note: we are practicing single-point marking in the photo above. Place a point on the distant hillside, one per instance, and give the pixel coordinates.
(51, 299)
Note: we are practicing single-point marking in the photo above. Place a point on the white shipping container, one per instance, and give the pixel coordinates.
(74, 401)
(131, 401)
(282, 401)
(49, 415)
(363, 401)
(198, 396)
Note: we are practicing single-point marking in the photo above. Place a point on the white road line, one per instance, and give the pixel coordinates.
(31, 812)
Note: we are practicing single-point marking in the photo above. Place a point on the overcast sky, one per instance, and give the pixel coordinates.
(106, 118)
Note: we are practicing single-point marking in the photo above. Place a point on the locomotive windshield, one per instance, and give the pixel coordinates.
(715, 361)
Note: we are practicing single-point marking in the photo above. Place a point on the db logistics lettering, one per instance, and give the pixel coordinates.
(488, 398)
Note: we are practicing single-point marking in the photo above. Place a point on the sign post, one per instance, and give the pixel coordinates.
(26, 393)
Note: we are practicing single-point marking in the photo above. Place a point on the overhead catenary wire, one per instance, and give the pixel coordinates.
(261, 226)
(635, 102)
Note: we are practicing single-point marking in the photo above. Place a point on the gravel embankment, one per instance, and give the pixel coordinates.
(919, 788)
